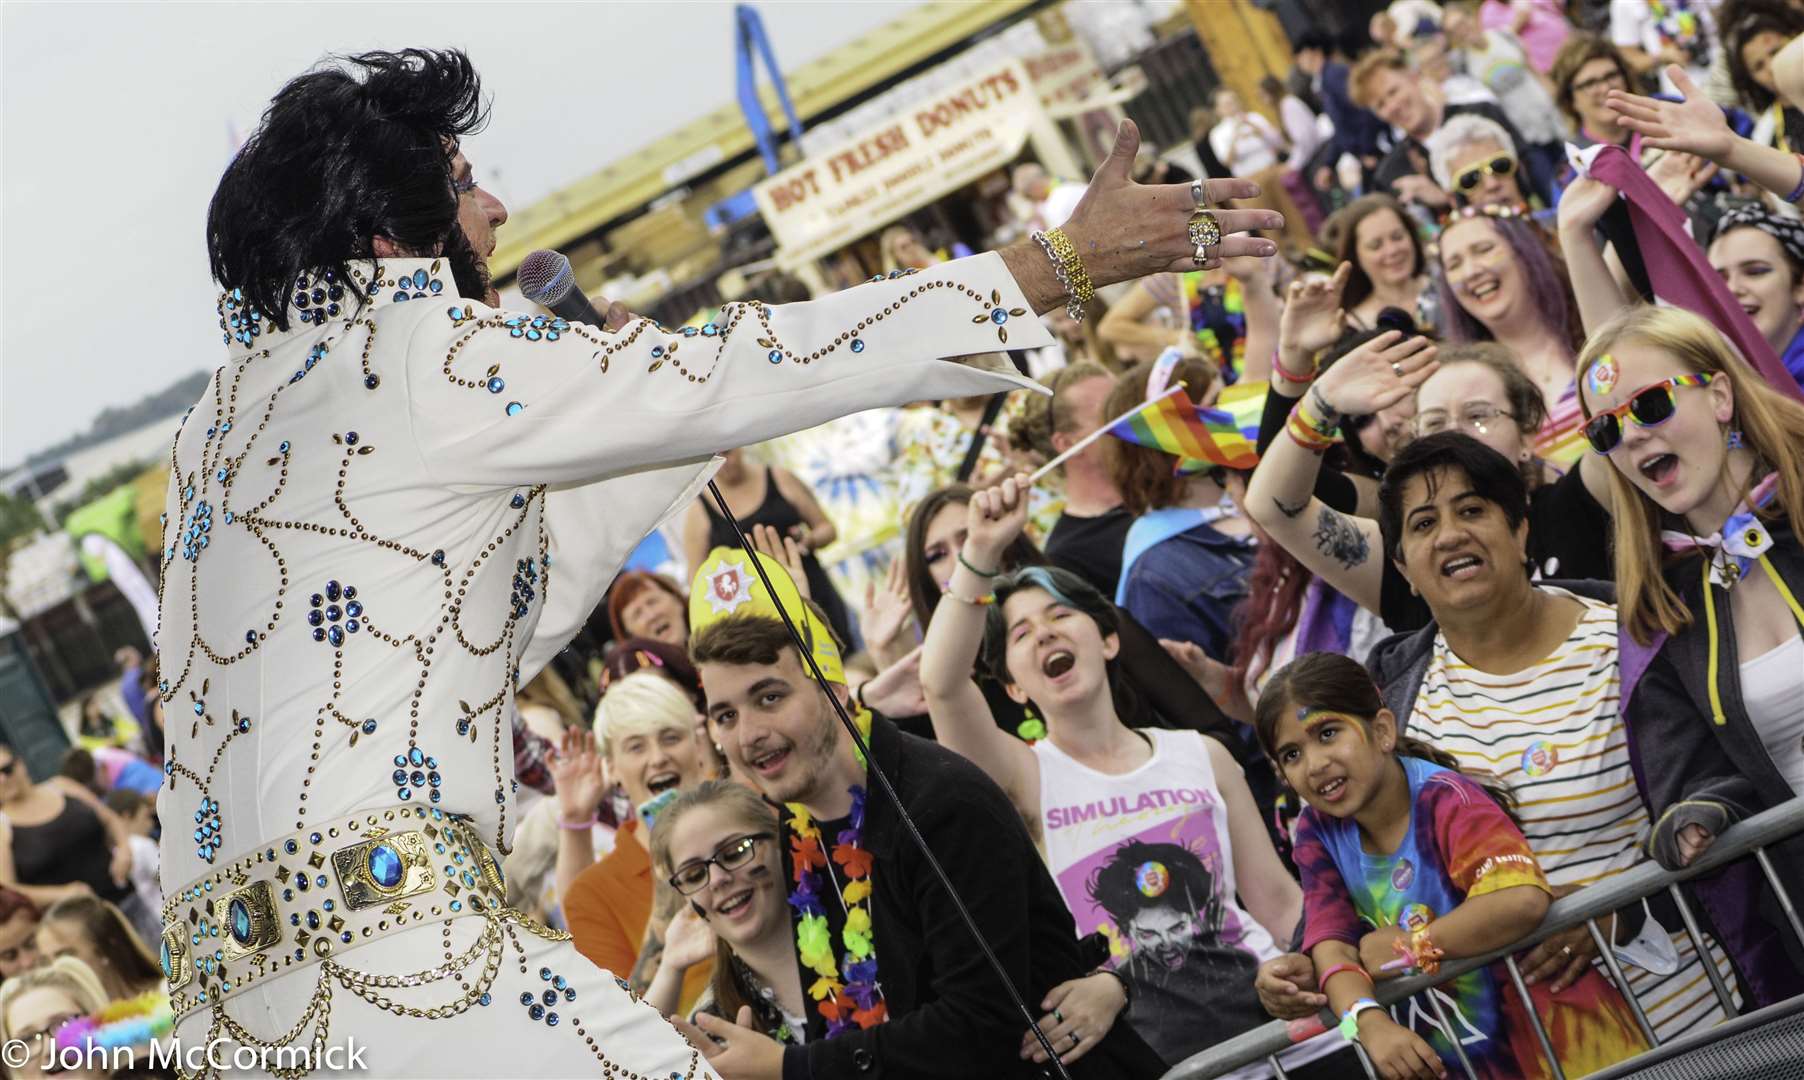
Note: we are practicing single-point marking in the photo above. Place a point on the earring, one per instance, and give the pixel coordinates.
(1735, 440)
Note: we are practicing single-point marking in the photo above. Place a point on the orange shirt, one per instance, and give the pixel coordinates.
(608, 907)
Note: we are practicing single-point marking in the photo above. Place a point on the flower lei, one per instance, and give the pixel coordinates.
(1232, 311)
(857, 1001)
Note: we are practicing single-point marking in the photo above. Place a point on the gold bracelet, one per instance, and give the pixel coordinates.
(1082, 290)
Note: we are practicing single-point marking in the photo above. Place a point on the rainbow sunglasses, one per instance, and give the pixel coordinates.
(1650, 406)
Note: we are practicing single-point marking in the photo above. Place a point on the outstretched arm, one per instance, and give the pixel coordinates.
(1697, 125)
(961, 717)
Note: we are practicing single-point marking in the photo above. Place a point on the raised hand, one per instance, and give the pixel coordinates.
(993, 519)
(786, 552)
(1681, 175)
(1123, 230)
(689, 940)
(1377, 375)
(896, 690)
(1313, 317)
(576, 769)
(1695, 125)
(887, 609)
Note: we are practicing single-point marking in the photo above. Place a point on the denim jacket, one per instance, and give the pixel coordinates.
(1186, 584)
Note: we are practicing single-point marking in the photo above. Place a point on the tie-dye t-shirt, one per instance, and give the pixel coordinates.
(1459, 845)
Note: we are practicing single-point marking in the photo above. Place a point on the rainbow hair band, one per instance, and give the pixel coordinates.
(728, 584)
(131, 1022)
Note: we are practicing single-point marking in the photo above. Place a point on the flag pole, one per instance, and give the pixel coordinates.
(1097, 434)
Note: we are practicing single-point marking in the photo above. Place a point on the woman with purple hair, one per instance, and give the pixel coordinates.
(1502, 280)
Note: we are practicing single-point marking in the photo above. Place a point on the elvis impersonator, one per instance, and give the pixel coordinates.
(394, 503)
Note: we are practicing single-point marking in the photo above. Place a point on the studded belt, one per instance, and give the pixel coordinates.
(320, 892)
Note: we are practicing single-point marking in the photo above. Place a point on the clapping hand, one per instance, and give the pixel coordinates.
(1377, 375)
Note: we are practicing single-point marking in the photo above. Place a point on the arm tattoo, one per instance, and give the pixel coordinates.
(1288, 510)
(1340, 539)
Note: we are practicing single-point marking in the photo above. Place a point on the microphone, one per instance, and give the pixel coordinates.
(547, 280)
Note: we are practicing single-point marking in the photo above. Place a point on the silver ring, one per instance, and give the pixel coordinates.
(1059, 1016)
(1566, 950)
(1198, 194)
(1201, 255)
(1396, 369)
(1075, 1039)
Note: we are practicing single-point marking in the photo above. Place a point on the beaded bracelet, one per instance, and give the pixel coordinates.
(980, 573)
(1304, 435)
(1797, 192)
(975, 601)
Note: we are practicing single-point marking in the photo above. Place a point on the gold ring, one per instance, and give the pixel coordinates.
(1201, 255)
(1205, 229)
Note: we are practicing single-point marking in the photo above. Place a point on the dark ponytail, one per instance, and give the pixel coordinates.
(1323, 680)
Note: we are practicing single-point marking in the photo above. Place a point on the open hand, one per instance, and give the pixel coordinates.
(1584, 204)
(1123, 230)
(896, 690)
(576, 770)
(1313, 317)
(1378, 374)
(688, 940)
(887, 609)
(1397, 1052)
(1681, 175)
(786, 551)
(1695, 125)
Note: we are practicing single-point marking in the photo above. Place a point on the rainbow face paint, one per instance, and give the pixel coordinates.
(1602, 376)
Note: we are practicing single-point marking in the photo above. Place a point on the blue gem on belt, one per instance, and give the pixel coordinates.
(385, 866)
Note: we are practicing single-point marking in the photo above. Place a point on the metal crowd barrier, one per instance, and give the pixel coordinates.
(1586, 906)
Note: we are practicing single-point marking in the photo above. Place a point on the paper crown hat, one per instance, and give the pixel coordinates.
(728, 584)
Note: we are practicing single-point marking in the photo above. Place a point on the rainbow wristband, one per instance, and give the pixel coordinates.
(1305, 436)
(1797, 192)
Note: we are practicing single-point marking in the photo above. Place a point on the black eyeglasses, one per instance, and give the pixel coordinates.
(690, 877)
(1600, 82)
(1650, 407)
(1501, 165)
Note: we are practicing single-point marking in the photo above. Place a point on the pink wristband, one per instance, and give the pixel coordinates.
(579, 826)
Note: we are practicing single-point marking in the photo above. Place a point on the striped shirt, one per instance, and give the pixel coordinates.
(1550, 733)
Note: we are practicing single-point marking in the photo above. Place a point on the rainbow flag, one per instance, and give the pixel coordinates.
(1246, 405)
(1174, 425)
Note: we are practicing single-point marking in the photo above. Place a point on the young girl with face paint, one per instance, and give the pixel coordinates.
(1709, 481)
(1152, 835)
(1407, 862)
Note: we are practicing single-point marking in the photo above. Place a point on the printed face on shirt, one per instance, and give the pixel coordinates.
(656, 614)
(1458, 548)
(1487, 281)
(1753, 265)
(775, 725)
(1334, 761)
(1679, 464)
(1057, 655)
(651, 762)
(1385, 253)
(1164, 934)
(18, 944)
(745, 904)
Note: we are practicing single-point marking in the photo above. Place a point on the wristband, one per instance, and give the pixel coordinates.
(1322, 416)
(1127, 988)
(962, 561)
(1336, 969)
(1305, 436)
(1797, 192)
(975, 601)
(580, 826)
(858, 696)
(1349, 1020)
(1286, 373)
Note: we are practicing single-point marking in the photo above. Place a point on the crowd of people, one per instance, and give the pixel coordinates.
(1508, 606)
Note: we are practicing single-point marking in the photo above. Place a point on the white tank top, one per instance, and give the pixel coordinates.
(1144, 857)
(1769, 688)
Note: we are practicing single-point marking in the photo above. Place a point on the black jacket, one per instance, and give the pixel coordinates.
(949, 1015)
(1693, 770)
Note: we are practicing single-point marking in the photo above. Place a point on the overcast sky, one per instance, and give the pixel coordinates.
(116, 120)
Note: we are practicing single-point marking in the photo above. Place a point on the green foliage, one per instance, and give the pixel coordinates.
(18, 519)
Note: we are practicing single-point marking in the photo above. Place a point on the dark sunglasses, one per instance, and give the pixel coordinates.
(1650, 407)
(1501, 165)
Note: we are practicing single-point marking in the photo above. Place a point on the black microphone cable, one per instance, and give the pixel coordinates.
(908, 823)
